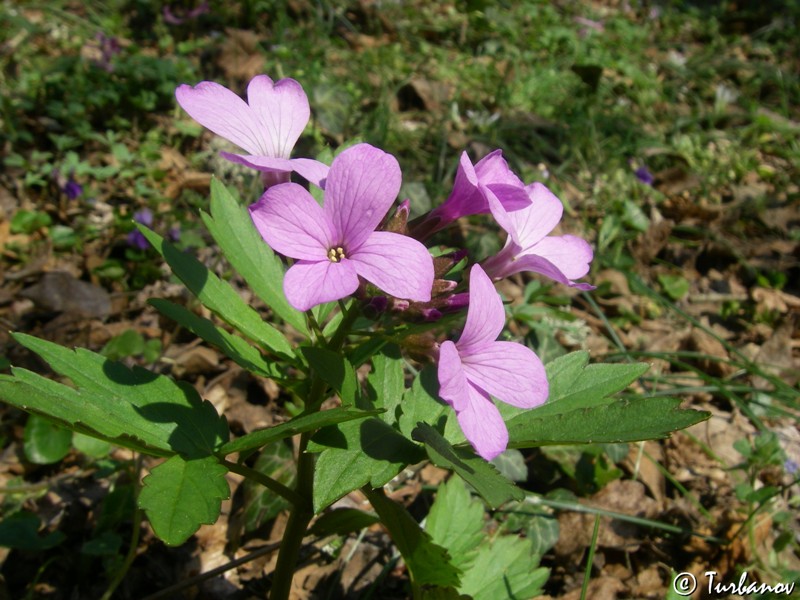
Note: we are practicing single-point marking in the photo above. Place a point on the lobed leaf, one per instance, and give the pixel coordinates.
(455, 522)
(219, 297)
(232, 228)
(179, 495)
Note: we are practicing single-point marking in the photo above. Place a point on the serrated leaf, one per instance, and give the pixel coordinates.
(455, 522)
(180, 495)
(45, 442)
(301, 424)
(218, 296)
(342, 521)
(234, 347)
(21, 531)
(336, 371)
(260, 504)
(504, 569)
(131, 407)
(427, 562)
(493, 487)
(622, 421)
(232, 228)
(356, 453)
(386, 381)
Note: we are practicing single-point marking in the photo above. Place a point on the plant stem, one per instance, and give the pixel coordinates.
(268, 482)
(296, 526)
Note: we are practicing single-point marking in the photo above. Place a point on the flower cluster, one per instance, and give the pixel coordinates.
(353, 244)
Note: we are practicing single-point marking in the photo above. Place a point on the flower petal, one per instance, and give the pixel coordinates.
(538, 219)
(282, 109)
(508, 371)
(397, 264)
(482, 425)
(312, 170)
(292, 223)
(485, 315)
(362, 184)
(223, 112)
(539, 264)
(308, 283)
(493, 172)
(452, 381)
(570, 254)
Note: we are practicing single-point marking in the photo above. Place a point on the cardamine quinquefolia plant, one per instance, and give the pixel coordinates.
(351, 285)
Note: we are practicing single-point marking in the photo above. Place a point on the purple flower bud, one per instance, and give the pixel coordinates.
(457, 301)
(174, 234)
(399, 305)
(430, 314)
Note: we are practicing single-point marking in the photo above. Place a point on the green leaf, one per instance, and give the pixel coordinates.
(180, 495)
(427, 562)
(455, 522)
(21, 531)
(511, 465)
(573, 384)
(218, 296)
(130, 407)
(232, 228)
(493, 487)
(260, 504)
(127, 343)
(504, 569)
(538, 522)
(301, 424)
(234, 347)
(342, 521)
(421, 404)
(90, 446)
(356, 453)
(45, 442)
(622, 421)
(336, 371)
(386, 381)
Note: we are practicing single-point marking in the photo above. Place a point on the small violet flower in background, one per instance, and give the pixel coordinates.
(135, 238)
(644, 175)
(477, 367)
(487, 186)
(337, 243)
(109, 47)
(529, 248)
(267, 126)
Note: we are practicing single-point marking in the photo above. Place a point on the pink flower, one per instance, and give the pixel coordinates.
(529, 248)
(488, 186)
(477, 367)
(337, 243)
(267, 126)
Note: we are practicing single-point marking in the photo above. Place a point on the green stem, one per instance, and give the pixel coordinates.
(302, 512)
(268, 482)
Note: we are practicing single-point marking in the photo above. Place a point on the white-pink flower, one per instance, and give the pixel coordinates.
(528, 247)
(267, 126)
(336, 243)
(477, 367)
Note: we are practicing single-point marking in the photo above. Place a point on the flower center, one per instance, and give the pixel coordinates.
(336, 254)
